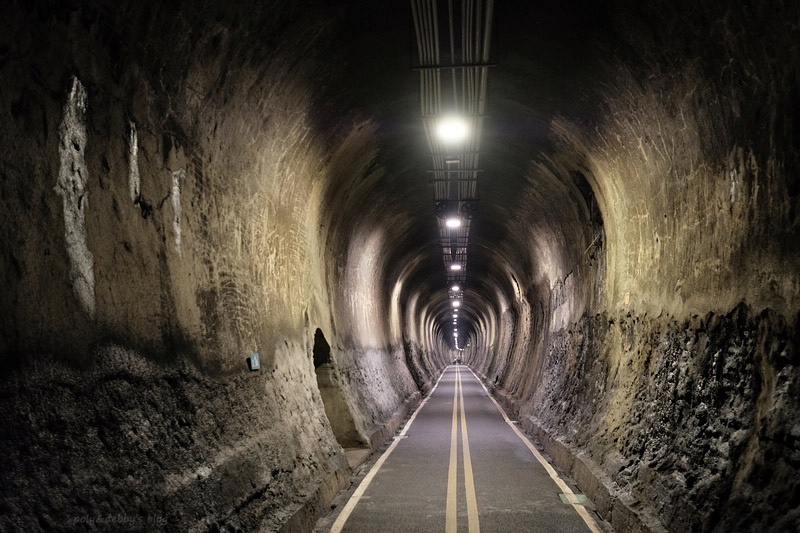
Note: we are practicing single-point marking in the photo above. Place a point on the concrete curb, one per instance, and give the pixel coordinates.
(305, 517)
(380, 435)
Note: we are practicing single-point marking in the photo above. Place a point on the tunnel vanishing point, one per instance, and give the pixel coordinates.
(185, 185)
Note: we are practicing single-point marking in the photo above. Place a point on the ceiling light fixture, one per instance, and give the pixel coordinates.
(455, 266)
(456, 303)
(452, 129)
(453, 222)
(455, 288)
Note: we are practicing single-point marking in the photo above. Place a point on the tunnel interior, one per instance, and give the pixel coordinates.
(184, 185)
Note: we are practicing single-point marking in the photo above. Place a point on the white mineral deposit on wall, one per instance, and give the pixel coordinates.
(133, 163)
(177, 176)
(71, 186)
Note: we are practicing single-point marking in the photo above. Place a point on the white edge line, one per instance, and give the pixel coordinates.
(362, 488)
(580, 509)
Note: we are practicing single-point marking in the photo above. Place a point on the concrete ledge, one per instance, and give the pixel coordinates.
(390, 427)
(356, 457)
(620, 509)
(304, 518)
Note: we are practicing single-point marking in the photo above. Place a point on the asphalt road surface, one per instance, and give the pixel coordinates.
(460, 465)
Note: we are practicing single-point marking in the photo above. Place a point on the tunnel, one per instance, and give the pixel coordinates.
(228, 264)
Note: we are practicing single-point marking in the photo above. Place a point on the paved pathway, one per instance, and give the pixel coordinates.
(460, 465)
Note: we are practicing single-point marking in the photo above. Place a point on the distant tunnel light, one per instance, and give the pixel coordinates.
(455, 266)
(455, 288)
(455, 334)
(453, 222)
(452, 129)
(456, 303)
(455, 315)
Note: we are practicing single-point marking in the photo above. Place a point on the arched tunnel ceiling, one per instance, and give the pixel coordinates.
(544, 199)
(540, 207)
(548, 62)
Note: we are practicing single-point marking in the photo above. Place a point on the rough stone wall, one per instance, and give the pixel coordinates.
(128, 443)
(694, 418)
(424, 362)
(665, 350)
(196, 177)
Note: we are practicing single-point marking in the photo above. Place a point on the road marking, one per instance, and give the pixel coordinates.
(451, 516)
(472, 503)
(580, 509)
(351, 503)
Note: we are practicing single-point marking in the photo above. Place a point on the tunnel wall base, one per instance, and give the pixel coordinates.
(380, 435)
(614, 506)
(127, 437)
(690, 420)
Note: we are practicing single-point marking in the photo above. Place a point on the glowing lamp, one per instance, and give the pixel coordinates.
(452, 129)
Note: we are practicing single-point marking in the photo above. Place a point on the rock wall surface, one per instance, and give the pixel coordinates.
(177, 195)
(653, 330)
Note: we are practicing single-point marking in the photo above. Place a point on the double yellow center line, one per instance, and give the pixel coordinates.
(451, 515)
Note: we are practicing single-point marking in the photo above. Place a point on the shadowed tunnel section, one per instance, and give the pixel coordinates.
(183, 186)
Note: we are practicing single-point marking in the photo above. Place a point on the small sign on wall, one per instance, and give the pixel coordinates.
(254, 361)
